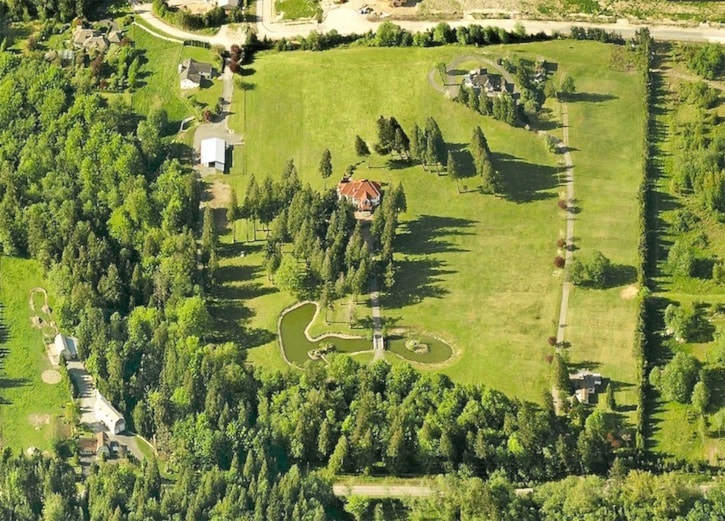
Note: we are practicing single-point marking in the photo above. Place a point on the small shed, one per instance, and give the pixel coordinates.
(65, 346)
(109, 415)
(214, 153)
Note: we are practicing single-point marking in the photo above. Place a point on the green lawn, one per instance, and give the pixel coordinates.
(476, 271)
(159, 78)
(294, 9)
(31, 411)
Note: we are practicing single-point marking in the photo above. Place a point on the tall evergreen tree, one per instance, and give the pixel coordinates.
(326, 166)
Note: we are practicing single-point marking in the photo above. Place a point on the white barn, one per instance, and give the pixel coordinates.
(64, 346)
(214, 153)
(108, 414)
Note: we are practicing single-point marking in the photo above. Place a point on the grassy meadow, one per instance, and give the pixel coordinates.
(475, 270)
(31, 411)
(677, 431)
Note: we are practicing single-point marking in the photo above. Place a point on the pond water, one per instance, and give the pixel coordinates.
(295, 343)
(296, 346)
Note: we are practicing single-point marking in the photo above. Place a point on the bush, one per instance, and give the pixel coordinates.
(680, 259)
(560, 243)
(551, 340)
(592, 271)
(559, 261)
(563, 205)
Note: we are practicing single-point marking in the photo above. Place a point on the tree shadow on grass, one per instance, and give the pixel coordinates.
(589, 97)
(715, 378)
(525, 182)
(416, 280)
(427, 234)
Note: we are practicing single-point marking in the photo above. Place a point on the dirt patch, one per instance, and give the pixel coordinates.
(38, 420)
(629, 292)
(51, 377)
(219, 195)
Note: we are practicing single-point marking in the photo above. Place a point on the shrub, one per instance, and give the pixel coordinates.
(718, 272)
(563, 204)
(592, 271)
(551, 340)
(680, 259)
(559, 261)
(560, 243)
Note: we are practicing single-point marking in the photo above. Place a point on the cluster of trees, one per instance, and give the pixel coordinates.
(116, 69)
(491, 181)
(502, 107)
(214, 17)
(389, 34)
(635, 496)
(427, 145)
(37, 487)
(63, 10)
(354, 418)
(707, 60)
(687, 323)
(596, 34)
(392, 138)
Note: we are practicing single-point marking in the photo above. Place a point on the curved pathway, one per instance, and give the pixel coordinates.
(563, 146)
(157, 35)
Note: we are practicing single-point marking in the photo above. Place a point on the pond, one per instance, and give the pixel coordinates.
(434, 351)
(296, 345)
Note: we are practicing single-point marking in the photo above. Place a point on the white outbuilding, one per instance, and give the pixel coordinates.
(108, 415)
(64, 347)
(214, 153)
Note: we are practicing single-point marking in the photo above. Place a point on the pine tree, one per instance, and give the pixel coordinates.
(361, 149)
(415, 141)
(490, 178)
(233, 213)
(208, 234)
(251, 204)
(326, 166)
(453, 170)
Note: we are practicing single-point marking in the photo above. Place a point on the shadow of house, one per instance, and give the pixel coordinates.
(526, 182)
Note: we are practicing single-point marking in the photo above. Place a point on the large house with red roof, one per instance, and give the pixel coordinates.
(364, 195)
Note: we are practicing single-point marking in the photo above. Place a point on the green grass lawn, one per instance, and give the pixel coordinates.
(159, 78)
(294, 9)
(476, 271)
(31, 411)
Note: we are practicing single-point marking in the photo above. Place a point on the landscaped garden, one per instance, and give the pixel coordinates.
(475, 270)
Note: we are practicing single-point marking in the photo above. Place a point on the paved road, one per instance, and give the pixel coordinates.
(345, 20)
(340, 489)
(566, 286)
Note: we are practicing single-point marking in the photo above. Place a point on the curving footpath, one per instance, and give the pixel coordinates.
(346, 20)
(563, 146)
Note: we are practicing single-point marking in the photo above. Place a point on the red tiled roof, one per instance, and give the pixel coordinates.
(361, 191)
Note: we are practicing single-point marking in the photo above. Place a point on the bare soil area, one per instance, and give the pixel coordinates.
(51, 377)
(193, 6)
(38, 420)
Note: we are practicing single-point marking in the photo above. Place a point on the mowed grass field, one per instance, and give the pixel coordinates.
(30, 410)
(475, 270)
